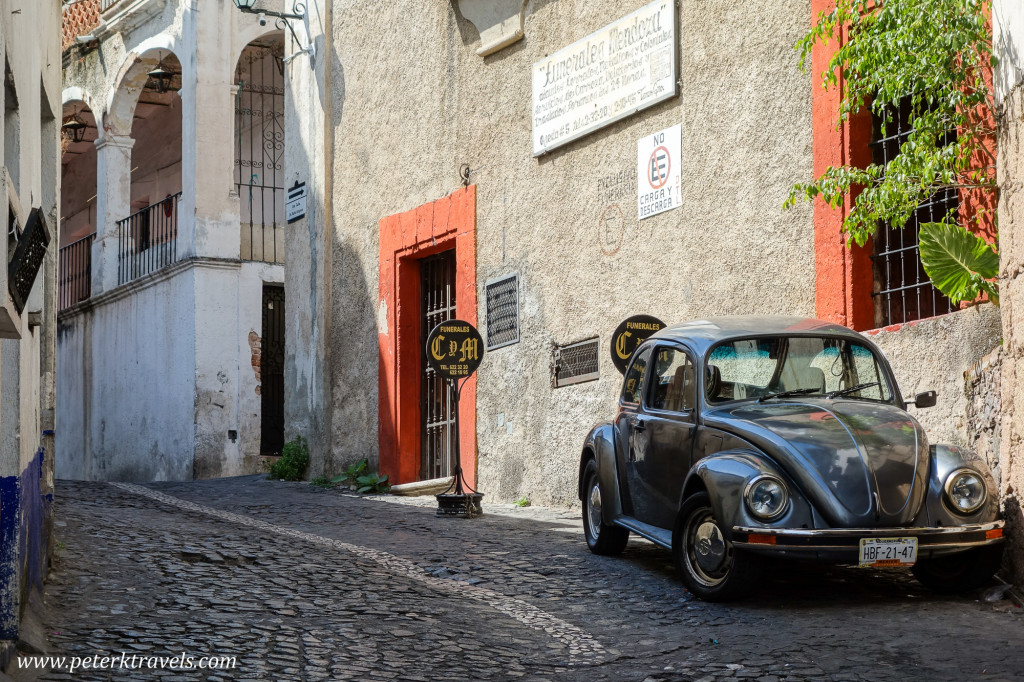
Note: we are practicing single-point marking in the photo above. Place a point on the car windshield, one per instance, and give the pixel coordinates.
(767, 368)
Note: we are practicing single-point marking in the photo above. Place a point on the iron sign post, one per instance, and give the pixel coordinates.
(454, 350)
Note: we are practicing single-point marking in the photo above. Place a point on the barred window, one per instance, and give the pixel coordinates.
(502, 311)
(575, 363)
(903, 291)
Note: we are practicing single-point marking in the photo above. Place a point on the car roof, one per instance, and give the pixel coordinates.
(703, 333)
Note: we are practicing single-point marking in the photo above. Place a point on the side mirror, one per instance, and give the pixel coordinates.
(926, 399)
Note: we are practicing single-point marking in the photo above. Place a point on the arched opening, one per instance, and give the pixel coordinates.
(77, 203)
(259, 148)
(148, 236)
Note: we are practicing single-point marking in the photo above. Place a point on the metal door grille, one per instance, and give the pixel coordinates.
(437, 284)
(502, 311)
(905, 291)
(271, 361)
(259, 150)
(576, 363)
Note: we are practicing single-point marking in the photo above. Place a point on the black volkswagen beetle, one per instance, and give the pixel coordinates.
(738, 438)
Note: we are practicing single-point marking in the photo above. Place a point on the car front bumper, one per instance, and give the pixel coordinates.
(842, 544)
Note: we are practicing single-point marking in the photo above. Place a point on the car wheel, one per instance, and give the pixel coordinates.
(601, 538)
(711, 567)
(959, 572)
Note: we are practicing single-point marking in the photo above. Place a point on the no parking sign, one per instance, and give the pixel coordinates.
(659, 180)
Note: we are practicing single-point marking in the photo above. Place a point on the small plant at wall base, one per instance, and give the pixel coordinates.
(293, 462)
(933, 57)
(358, 478)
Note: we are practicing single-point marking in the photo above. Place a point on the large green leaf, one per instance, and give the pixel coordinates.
(960, 264)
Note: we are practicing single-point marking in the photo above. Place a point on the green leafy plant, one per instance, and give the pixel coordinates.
(522, 502)
(960, 264)
(932, 56)
(358, 477)
(321, 482)
(293, 462)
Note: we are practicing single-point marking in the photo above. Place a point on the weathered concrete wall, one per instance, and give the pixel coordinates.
(1009, 46)
(932, 355)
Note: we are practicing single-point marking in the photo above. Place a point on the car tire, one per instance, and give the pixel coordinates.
(959, 572)
(601, 538)
(710, 566)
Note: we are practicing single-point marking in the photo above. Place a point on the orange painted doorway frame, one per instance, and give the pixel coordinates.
(405, 239)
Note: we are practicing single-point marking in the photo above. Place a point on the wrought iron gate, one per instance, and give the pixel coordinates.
(272, 371)
(437, 284)
(259, 150)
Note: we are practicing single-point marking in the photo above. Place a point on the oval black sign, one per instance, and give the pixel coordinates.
(454, 349)
(629, 334)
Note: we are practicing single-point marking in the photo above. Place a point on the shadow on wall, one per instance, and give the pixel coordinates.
(1013, 557)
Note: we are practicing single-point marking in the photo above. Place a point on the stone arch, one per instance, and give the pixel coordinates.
(131, 80)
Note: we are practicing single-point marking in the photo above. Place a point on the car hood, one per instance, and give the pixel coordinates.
(860, 464)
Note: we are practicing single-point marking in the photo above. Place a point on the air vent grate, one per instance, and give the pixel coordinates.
(576, 363)
(502, 311)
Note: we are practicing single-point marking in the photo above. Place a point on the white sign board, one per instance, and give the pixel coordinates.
(613, 73)
(659, 182)
(295, 202)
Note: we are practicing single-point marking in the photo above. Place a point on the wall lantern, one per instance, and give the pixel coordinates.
(74, 128)
(161, 77)
(298, 12)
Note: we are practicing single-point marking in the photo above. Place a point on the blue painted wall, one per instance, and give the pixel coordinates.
(24, 528)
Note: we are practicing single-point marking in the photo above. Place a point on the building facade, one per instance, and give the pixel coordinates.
(30, 183)
(171, 337)
(477, 173)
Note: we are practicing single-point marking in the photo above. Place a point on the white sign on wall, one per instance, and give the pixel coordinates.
(659, 181)
(613, 73)
(295, 203)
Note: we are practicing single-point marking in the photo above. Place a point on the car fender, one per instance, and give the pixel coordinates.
(725, 476)
(945, 459)
(600, 446)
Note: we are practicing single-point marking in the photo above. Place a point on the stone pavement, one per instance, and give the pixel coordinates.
(299, 583)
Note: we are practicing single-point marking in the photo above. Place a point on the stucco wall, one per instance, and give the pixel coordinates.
(729, 249)
(1009, 45)
(127, 374)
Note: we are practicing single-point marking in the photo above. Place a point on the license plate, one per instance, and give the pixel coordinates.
(882, 552)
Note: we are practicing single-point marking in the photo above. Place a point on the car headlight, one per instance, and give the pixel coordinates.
(766, 497)
(965, 490)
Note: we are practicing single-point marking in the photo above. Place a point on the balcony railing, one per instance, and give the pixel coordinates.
(106, 4)
(147, 240)
(74, 280)
(262, 242)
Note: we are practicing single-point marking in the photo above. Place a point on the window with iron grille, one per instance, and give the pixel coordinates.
(502, 311)
(575, 363)
(903, 290)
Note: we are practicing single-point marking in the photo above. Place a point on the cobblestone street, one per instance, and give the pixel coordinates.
(301, 583)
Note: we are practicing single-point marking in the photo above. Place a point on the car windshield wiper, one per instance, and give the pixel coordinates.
(852, 389)
(786, 394)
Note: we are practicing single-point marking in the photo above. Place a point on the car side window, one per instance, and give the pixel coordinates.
(673, 386)
(633, 384)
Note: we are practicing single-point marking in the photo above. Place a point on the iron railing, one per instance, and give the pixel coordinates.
(905, 292)
(107, 4)
(147, 240)
(74, 279)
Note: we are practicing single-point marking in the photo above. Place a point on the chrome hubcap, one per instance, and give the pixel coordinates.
(710, 546)
(594, 510)
(707, 555)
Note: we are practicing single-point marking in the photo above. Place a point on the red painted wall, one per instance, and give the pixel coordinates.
(844, 278)
(405, 238)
